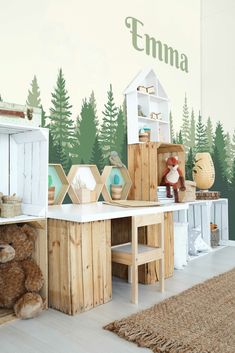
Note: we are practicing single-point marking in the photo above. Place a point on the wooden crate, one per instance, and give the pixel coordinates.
(39, 255)
(146, 163)
(79, 265)
(148, 273)
(24, 166)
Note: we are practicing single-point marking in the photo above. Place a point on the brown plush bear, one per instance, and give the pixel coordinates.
(20, 277)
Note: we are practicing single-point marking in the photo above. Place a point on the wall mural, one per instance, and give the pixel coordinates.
(90, 138)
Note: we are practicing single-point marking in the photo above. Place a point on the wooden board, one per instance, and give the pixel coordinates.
(79, 265)
(133, 203)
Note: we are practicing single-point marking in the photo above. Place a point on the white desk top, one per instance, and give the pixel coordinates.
(98, 211)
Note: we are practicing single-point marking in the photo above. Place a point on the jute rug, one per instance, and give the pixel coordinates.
(199, 320)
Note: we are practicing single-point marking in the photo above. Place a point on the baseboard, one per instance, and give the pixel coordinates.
(231, 243)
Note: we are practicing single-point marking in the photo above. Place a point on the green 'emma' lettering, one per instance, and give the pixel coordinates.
(132, 23)
(144, 42)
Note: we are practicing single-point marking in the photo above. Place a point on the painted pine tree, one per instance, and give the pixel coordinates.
(172, 132)
(87, 131)
(210, 134)
(109, 126)
(192, 131)
(44, 117)
(33, 99)
(219, 146)
(97, 155)
(201, 137)
(229, 155)
(1, 98)
(61, 124)
(180, 138)
(233, 144)
(62, 158)
(221, 182)
(186, 125)
(120, 132)
(189, 165)
(75, 142)
(92, 101)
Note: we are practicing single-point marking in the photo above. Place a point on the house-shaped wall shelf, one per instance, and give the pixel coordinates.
(143, 108)
(89, 177)
(58, 184)
(108, 175)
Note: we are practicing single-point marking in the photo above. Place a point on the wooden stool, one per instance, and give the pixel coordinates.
(134, 254)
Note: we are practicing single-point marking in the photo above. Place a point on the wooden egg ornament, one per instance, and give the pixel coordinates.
(204, 171)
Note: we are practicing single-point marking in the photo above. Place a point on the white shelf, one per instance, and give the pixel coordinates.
(20, 219)
(148, 103)
(152, 120)
(153, 96)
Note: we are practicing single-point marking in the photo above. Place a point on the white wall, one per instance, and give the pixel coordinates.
(218, 61)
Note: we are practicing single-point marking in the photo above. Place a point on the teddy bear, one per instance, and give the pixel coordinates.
(20, 277)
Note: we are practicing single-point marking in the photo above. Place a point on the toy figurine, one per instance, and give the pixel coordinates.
(115, 160)
(173, 176)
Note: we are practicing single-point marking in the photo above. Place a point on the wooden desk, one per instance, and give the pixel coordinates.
(79, 238)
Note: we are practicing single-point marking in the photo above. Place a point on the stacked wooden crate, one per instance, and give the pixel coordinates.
(24, 171)
(146, 163)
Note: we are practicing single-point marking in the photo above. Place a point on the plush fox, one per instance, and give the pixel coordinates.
(173, 176)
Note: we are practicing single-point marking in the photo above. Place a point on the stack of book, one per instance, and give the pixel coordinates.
(161, 194)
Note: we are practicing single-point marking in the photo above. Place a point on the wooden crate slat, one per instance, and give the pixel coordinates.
(54, 264)
(106, 264)
(87, 265)
(4, 163)
(76, 273)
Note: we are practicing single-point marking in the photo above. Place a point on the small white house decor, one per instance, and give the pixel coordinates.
(147, 105)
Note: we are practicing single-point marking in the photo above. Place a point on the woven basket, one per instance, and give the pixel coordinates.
(9, 210)
(11, 199)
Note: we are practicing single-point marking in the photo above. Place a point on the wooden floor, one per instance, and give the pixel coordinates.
(54, 332)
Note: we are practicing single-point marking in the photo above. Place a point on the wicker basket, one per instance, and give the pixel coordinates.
(10, 210)
(10, 206)
(11, 199)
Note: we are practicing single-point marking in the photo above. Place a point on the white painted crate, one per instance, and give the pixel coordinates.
(24, 166)
(201, 213)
